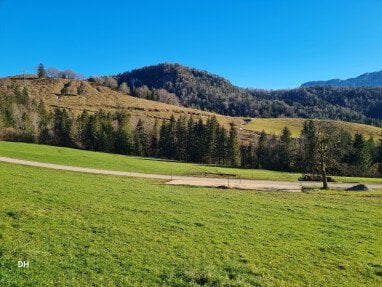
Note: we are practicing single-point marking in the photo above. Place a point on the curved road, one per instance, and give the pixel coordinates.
(194, 181)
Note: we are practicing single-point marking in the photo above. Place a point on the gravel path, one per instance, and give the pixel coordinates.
(265, 185)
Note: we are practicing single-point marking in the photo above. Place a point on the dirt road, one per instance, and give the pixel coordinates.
(193, 181)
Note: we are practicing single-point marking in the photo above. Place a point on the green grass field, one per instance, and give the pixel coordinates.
(67, 156)
(275, 126)
(92, 230)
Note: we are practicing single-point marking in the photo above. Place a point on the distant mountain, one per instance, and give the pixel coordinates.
(202, 90)
(365, 80)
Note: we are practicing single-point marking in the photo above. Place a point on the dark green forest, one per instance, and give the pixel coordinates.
(202, 90)
(320, 149)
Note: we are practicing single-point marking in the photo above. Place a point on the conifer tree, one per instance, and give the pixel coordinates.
(140, 139)
(191, 140)
(154, 140)
(221, 145)
(361, 155)
(166, 140)
(262, 150)
(309, 146)
(181, 139)
(212, 126)
(41, 72)
(62, 128)
(233, 152)
(199, 134)
(284, 151)
(123, 136)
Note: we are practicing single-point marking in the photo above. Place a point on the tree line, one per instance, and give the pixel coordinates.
(320, 149)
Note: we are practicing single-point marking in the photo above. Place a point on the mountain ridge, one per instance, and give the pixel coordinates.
(373, 79)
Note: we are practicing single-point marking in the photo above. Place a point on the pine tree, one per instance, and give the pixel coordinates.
(233, 152)
(41, 72)
(191, 140)
(212, 126)
(199, 134)
(106, 138)
(262, 150)
(123, 135)
(140, 139)
(172, 137)
(221, 145)
(154, 140)
(166, 140)
(284, 151)
(181, 139)
(309, 147)
(62, 128)
(361, 155)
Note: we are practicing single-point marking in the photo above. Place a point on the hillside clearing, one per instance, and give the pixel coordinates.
(275, 126)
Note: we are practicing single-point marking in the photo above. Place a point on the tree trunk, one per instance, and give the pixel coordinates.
(323, 175)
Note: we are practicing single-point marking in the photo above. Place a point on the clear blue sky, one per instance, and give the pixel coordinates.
(253, 43)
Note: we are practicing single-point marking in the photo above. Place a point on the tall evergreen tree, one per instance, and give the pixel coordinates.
(284, 150)
(221, 145)
(105, 133)
(181, 139)
(41, 72)
(233, 152)
(140, 139)
(167, 139)
(191, 140)
(154, 140)
(62, 128)
(199, 134)
(212, 126)
(263, 150)
(361, 155)
(123, 136)
(309, 147)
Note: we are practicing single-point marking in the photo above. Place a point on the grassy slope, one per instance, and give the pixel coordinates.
(95, 97)
(275, 126)
(91, 230)
(81, 158)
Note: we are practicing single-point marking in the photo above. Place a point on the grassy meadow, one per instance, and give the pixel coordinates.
(68, 156)
(275, 126)
(93, 230)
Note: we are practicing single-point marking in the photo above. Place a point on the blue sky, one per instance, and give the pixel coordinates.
(253, 43)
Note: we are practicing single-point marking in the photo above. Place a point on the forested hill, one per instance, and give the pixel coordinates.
(202, 90)
(194, 88)
(364, 80)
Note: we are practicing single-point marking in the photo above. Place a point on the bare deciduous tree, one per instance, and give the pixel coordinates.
(124, 88)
